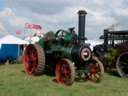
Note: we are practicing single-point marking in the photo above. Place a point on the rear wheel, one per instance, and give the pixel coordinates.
(96, 70)
(122, 64)
(65, 72)
(34, 59)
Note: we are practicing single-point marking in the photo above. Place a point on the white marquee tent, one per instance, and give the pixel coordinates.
(10, 47)
(10, 39)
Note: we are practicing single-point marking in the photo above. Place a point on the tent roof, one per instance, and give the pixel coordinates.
(93, 43)
(10, 39)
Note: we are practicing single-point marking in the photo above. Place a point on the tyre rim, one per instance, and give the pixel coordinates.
(30, 59)
(123, 64)
(63, 72)
(95, 72)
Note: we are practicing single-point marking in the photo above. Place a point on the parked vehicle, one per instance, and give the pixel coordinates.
(114, 51)
(66, 53)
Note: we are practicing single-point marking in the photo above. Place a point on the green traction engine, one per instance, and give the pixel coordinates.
(64, 53)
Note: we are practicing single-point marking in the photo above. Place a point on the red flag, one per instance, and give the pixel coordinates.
(32, 26)
(36, 26)
(18, 32)
(29, 26)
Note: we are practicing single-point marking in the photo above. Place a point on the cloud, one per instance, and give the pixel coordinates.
(12, 18)
(41, 6)
(122, 11)
(10, 22)
(56, 14)
(3, 30)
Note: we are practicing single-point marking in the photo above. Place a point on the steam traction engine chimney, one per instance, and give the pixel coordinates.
(81, 26)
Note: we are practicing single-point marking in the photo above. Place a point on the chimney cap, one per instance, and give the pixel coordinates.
(82, 12)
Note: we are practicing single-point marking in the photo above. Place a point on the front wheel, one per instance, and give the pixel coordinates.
(96, 70)
(65, 72)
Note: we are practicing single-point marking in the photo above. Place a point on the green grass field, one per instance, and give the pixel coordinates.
(14, 82)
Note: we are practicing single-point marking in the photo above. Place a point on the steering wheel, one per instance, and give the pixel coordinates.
(60, 34)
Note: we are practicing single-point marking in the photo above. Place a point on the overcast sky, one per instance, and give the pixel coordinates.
(56, 14)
